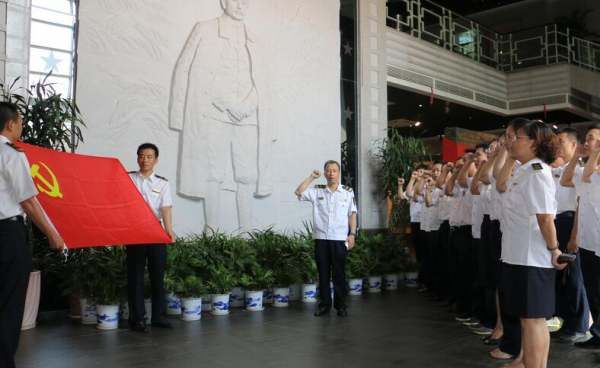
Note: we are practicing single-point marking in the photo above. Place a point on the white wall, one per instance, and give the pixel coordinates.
(127, 52)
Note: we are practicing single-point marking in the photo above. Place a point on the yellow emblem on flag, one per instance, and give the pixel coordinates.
(49, 187)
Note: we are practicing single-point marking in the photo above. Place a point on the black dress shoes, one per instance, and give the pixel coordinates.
(322, 311)
(138, 327)
(162, 323)
(343, 312)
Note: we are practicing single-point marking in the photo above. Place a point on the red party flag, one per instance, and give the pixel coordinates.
(91, 200)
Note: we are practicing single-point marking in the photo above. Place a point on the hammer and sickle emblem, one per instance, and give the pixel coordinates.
(49, 187)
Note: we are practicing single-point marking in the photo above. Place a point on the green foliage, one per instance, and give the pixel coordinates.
(50, 119)
(106, 268)
(395, 157)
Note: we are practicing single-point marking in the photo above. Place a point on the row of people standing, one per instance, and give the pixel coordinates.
(491, 228)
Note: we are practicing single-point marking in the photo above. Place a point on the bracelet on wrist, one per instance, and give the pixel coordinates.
(552, 249)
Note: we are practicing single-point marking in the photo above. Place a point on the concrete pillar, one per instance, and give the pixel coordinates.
(372, 96)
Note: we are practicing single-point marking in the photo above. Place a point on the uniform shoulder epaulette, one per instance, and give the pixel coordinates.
(320, 186)
(14, 147)
(537, 166)
(131, 172)
(161, 177)
(347, 188)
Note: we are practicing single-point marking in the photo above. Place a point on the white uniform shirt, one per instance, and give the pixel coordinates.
(531, 191)
(565, 196)
(416, 207)
(331, 211)
(16, 184)
(588, 224)
(155, 190)
(495, 205)
(477, 212)
(436, 199)
(443, 205)
(455, 204)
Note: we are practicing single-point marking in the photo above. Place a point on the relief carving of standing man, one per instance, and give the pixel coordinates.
(215, 104)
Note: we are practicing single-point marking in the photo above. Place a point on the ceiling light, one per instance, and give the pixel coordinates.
(417, 123)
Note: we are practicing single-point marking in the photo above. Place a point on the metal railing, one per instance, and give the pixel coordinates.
(551, 44)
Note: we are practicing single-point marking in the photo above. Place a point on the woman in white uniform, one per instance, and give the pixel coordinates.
(529, 245)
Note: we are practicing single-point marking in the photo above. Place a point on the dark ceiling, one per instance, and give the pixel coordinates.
(434, 118)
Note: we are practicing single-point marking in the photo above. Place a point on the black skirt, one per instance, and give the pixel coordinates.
(528, 291)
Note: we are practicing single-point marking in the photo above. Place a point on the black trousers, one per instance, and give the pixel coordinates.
(136, 265)
(465, 269)
(571, 297)
(331, 259)
(445, 291)
(420, 250)
(590, 266)
(15, 266)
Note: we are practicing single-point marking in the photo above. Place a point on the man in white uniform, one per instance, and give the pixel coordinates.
(334, 214)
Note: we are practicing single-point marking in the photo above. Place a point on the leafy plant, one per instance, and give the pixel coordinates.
(220, 279)
(107, 265)
(395, 157)
(50, 119)
(190, 287)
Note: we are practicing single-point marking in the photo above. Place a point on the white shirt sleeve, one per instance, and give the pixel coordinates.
(309, 195)
(539, 193)
(19, 177)
(352, 208)
(165, 196)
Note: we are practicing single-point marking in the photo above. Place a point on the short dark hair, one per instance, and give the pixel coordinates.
(482, 145)
(571, 132)
(470, 150)
(543, 136)
(151, 146)
(592, 127)
(332, 162)
(8, 111)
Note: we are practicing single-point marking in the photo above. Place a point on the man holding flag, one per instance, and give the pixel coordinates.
(17, 199)
(157, 193)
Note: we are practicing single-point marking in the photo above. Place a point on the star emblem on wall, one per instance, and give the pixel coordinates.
(51, 61)
(347, 48)
(348, 113)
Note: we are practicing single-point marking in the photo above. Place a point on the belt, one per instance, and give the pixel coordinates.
(566, 214)
(19, 219)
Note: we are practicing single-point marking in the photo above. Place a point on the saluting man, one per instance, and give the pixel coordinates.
(334, 212)
(17, 198)
(157, 193)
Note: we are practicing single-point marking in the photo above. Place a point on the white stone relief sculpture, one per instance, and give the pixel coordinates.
(214, 103)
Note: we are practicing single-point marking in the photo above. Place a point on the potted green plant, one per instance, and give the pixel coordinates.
(109, 280)
(394, 158)
(255, 281)
(220, 282)
(392, 254)
(189, 289)
(356, 268)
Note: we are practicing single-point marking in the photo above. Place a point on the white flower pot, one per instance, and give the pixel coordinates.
(236, 298)
(124, 311)
(88, 312)
(411, 279)
(281, 297)
(32, 301)
(191, 309)
(254, 301)
(148, 309)
(220, 304)
(206, 303)
(108, 317)
(374, 284)
(173, 305)
(295, 292)
(355, 287)
(390, 282)
(267, 296)
(309, 293)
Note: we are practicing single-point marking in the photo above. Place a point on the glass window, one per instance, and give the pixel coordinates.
(52, 43)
